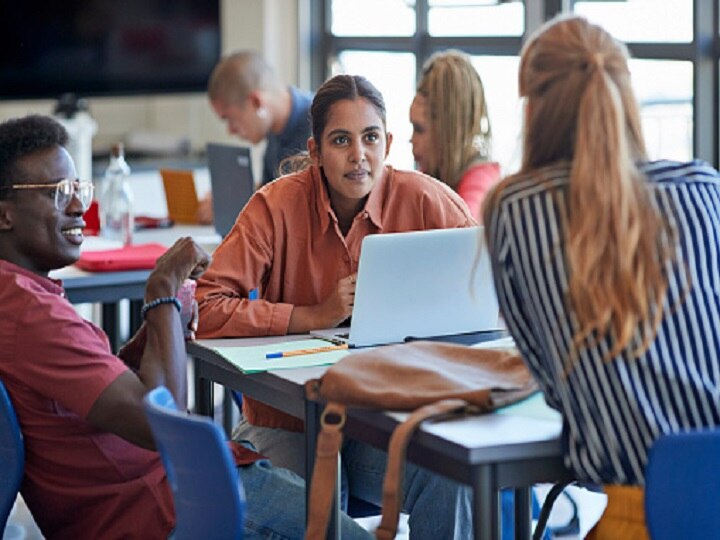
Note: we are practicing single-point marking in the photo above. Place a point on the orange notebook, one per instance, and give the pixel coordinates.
(135, 257)
(180, 195)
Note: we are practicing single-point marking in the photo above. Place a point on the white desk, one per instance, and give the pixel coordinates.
(487, 452)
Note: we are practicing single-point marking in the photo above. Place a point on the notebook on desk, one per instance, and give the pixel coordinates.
(232, 183)
(418, 285)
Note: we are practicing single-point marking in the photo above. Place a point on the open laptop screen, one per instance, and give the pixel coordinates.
(422, 284)
(232, 184)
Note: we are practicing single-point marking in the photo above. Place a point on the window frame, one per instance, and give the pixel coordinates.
(703, 52)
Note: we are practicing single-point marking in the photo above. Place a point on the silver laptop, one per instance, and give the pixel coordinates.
(417, 285)
(231, 180)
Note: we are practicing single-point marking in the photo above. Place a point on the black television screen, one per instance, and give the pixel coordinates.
(106, 47)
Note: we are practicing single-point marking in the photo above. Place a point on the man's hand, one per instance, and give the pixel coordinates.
(185, 259)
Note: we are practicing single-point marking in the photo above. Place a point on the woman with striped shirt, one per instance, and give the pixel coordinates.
(607, 267)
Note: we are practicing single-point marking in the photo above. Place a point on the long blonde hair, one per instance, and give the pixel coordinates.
(458, 116)
(581, 109)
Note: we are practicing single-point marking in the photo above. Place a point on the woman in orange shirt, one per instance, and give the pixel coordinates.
(296, 245)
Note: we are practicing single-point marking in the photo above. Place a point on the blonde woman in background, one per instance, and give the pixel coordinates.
(451, 137)
(606, 267)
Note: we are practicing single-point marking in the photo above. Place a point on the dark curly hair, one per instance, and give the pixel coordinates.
(20, 137)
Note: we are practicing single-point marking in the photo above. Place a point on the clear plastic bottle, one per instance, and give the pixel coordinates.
(116, 202)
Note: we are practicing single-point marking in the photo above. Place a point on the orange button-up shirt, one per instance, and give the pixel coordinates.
(287, 243)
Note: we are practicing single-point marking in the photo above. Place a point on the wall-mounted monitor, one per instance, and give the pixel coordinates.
(107, 47)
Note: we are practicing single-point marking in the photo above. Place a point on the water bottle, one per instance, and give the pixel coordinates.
(116, 202)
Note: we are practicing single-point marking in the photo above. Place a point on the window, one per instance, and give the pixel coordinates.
(478, 18)
(353, 18)
(642, 20)
(674, 45)
(665, 109)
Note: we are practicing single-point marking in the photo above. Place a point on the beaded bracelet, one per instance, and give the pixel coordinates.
(159, 301)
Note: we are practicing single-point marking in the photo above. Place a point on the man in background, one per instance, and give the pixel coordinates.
(245, 92)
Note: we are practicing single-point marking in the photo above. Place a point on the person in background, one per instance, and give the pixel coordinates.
(605, 265)
(245, 93)
(91, 470)
(451, 137)
(296, 246)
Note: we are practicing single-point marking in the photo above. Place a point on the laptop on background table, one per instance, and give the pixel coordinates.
(180, 195)
(421, 285)
(231, 180)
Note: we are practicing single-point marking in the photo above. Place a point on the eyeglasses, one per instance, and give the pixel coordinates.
(65, 189)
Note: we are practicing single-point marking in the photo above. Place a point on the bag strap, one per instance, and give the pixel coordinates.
(547, 506)
(392, 485)
(324, 476)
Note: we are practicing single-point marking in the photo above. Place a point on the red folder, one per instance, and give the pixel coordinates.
(136, 257)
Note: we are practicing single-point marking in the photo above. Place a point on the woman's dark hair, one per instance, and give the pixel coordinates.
(20, 137)
(335, 89)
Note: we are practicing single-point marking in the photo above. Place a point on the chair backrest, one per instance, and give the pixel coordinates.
(682, 486)
(12, 456)
(208, 495)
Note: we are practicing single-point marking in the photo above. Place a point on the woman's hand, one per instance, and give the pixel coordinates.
(332, 311)
(339, 305)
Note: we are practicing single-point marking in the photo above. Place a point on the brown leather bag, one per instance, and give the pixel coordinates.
(431, 379)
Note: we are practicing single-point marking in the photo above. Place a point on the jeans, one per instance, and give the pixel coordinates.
(275, 503)
(437, 507)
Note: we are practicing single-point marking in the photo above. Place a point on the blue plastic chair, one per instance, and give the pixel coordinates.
(682, 486)
(12, 456)
(208, 494)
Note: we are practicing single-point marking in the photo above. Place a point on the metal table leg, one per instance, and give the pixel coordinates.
(110, 324)
(203, 393)
(135, 318)
(228, 406)
(486, 515)
(523, 513)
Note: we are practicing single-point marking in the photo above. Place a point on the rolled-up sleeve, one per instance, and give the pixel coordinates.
(240, 264)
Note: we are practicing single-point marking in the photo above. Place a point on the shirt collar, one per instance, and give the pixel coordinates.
(51, 285)
(373, 207)
(376, 201)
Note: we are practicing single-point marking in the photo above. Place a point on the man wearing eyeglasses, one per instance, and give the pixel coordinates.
(90, 466)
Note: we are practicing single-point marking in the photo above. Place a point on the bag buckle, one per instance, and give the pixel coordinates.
(332, 418)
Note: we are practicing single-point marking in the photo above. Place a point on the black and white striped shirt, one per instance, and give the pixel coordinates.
(613, 411)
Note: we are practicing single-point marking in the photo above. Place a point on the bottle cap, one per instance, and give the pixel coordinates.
(117, 150)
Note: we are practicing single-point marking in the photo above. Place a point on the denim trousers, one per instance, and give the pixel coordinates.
(275, 505)
(437, 507)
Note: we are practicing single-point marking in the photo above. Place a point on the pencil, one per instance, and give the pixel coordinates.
(314, 350)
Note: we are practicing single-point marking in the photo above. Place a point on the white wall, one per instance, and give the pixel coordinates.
(269, 26)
